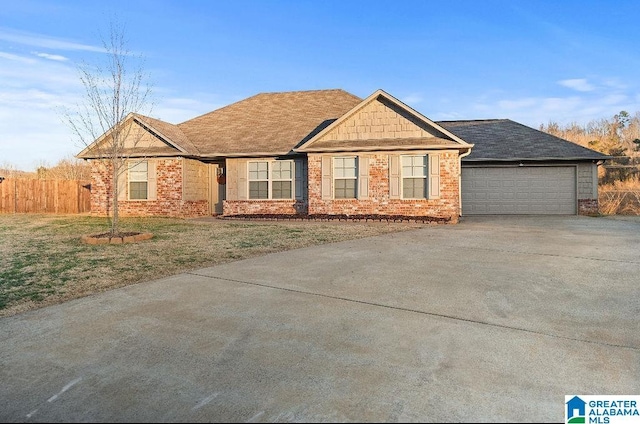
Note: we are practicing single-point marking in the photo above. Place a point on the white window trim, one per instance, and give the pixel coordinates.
(333, 173)
(131, 164)
(425, 177)
(270, 179)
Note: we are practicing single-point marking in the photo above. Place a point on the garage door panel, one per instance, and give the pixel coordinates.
(519, 190)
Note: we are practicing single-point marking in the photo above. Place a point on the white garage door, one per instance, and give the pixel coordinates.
(519, 190)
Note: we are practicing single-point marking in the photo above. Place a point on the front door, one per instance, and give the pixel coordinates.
(217, 188)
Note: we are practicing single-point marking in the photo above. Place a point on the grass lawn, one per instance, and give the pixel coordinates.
(43, 261)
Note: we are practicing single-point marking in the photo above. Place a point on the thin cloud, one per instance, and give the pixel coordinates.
(533, 111)
(578, 84)
(55, 57)
(16, 58)
(44, 41)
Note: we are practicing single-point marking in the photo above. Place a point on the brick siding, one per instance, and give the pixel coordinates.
(587, 206)
(169, 193)
(379, 201)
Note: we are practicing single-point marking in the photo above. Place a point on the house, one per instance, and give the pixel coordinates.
(328, 152)
(575, 407)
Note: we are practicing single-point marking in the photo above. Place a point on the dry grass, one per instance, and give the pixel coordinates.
(620, 198)
(43, 262)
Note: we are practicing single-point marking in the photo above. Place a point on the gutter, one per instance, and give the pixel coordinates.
(463, 155)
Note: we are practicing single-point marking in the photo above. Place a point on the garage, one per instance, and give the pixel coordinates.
(519, 190)
(513, 169)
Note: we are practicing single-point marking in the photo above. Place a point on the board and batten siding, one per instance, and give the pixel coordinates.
(587, 181)
(195, 180)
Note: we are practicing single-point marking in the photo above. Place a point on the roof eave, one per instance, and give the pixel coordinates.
(543, 159)
(385, 148)
(244, 154)
(140, 155)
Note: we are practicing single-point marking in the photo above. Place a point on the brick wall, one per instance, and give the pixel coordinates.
(250, 207)
(379, 201)
(587, 206)
(168, 195)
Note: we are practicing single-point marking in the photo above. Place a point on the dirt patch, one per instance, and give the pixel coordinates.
(119, 238)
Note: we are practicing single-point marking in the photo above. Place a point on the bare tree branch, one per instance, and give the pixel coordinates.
(115, 89)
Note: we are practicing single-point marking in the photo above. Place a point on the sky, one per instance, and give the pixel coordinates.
(530, 61)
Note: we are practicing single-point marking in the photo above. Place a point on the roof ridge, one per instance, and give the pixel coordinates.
(271, 94)
(477, 120)
(304, 91)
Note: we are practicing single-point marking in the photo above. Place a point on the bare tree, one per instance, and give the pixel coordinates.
(69, 168)
(115, 90)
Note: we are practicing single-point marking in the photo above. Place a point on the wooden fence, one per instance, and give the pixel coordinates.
(45, 196)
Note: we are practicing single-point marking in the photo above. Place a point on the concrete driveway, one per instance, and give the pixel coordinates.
(495, 319)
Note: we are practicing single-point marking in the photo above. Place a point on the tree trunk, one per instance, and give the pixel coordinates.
(115, 193)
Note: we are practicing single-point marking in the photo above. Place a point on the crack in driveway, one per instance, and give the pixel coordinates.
(417, 311)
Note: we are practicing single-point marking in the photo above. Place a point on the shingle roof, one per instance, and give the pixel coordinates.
(170, 131)
(503, 139)
(267, 123)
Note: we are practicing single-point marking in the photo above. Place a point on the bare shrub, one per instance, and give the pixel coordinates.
(620, 197)
(610, 201)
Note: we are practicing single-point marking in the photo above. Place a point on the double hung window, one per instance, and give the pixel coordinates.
(414, 177)
(345, 177)
(138, 181)
(271, 179)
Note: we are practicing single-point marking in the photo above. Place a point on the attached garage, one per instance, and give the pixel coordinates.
(516, 170)
(540, 190)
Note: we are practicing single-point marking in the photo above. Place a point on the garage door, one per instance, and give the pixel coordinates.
(519, 190)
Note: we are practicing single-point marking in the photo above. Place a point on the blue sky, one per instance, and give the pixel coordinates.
(530, 61)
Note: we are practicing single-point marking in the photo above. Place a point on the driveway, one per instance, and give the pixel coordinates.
(494, 319)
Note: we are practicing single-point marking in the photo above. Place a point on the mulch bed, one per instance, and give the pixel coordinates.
(342, 217)
(119, 238)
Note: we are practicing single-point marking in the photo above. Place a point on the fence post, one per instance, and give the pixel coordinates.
(15, 195)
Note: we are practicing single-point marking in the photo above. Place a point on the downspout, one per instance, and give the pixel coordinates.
(596, 192)
(463, 155)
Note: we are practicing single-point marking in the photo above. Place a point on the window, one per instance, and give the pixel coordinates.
(276, 183)
(258, 180)
(138, 181)
(345, 176)
(414, 177)
(282, 180)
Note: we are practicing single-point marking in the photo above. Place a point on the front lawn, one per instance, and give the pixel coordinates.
(43, 261)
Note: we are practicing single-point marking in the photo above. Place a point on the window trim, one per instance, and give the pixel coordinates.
(425, 177)
(270, 180)
(355, 178)
(130, 166)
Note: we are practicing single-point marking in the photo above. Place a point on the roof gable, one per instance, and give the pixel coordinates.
(505, 140)
(379, 122)
(141, 138)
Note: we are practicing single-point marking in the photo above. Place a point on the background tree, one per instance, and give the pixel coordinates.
(69, 168)
(615, 137)
(114, 88)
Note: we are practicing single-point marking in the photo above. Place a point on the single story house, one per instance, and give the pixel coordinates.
(328, 152)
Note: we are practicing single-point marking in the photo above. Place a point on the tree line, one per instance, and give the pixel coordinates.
(618, 137)
(65, 169)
